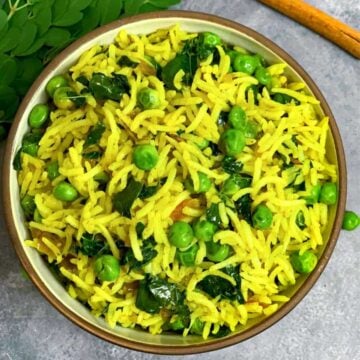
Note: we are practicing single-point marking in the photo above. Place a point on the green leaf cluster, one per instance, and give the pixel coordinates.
(32, 32)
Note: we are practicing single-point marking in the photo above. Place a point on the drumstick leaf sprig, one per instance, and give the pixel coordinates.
(32, 32)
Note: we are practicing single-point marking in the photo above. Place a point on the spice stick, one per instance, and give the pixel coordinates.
(334, 30)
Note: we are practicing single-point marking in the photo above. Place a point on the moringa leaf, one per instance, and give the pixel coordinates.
(36, 45)
(3, 19)
(11, 39)
(95, 134)
(110, 10)
(8, 69)
(90, 20)
(43, 15)
(104, 87)
(69, 19)
(163, 4)
(27, 38)
(56, 37)
(94, 245)
(148, 252)
(124, 199)
(78, 5)
(59, 10)
(133, 7)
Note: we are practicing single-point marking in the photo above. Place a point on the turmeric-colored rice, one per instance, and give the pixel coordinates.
(187, 115)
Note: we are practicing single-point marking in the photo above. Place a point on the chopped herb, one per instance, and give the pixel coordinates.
(155, 294)
(95, 134)
(148, 191)
(17, 161)
(231, 166)
(83, 80)
(103, 87)
(124, 200)
(78, 100)
(148, 252)
(92, 155)
(94, 245)
(243, 208)
(214, 148)
(125, 61)
(223, 118)
(139, 229)
(217, 286)
(212, 214)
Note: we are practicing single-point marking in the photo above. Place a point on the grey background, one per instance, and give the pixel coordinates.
(326, 324)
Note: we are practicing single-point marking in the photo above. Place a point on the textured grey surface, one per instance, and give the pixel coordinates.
(326, 325)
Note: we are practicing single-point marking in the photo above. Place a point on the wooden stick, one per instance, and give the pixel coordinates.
(334, 30)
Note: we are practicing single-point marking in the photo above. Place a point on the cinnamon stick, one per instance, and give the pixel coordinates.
(334, 30)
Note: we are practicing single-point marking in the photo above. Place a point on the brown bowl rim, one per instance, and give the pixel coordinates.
(219, 343)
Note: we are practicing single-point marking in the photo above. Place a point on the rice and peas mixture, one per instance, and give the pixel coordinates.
(176, 183)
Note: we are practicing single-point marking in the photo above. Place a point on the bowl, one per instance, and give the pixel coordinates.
(40, 274)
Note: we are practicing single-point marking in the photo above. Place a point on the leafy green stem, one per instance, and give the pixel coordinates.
(15, 7)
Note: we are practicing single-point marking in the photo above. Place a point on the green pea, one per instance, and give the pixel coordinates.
(210, 39)
(251, 130)
(328, 193)
(260, 60)
(53, 170)
(145, 157)
(55, 83)
(181, 234)
(107, 268)
(197, 327)
(237, 118)
(39, 115)
(233, 54)
(232, 142)
(314, 195)
(65, 192)
(28, 205)
(204, 230)
(204, 184)
(202, 143)
(245, 63)
(217, 252)
(263, 76)
(304, 263)
(262, 217)
(351, 221)
(300, 220)
(61, 98)
(188, 256)
(148, 98)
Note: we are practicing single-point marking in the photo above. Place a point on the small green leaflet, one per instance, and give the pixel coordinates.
(57, 36)
(110, 10)
(27, 37)
(3, 19)
(7, 69)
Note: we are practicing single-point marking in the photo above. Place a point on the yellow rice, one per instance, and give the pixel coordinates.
(264, 255)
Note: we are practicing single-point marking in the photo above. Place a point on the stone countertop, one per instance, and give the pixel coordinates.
(326, 324)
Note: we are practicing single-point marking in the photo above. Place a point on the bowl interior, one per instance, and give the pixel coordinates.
(31, 258)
